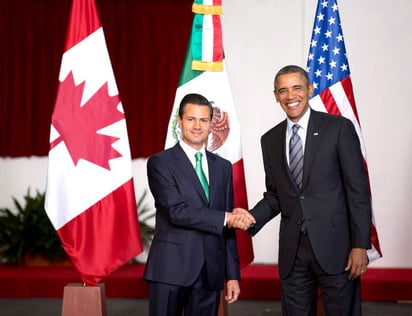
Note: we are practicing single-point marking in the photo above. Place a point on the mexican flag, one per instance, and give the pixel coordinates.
(90, 197)
(204, 72)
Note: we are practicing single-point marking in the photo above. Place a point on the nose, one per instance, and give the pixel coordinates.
(289, 94)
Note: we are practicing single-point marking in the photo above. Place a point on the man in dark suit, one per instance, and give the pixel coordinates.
(194, 249)
(324, 205)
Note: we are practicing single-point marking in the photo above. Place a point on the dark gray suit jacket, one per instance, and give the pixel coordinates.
(189, 230)
(334, 200)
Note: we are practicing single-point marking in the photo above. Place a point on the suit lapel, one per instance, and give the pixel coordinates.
(213, 175)
(281, 148)
(312, 144)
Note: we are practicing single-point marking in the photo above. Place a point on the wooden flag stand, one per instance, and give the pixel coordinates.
(222, 305)
(84, 300)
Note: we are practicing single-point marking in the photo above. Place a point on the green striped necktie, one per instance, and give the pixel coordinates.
(201, 174)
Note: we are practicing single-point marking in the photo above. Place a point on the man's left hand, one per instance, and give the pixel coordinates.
(232, 291)
(357, 263)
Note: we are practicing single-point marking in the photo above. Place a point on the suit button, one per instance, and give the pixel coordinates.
(302, 197)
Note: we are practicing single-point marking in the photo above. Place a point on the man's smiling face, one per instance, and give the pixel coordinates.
(292, 92)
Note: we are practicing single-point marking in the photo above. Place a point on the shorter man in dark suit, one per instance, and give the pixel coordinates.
(316, 180)
(194, 249)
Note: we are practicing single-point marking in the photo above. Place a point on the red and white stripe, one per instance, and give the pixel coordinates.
(338, 99)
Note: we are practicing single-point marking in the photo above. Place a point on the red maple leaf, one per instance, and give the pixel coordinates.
(78, 125)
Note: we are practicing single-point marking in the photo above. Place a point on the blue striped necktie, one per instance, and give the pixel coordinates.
(296, 156)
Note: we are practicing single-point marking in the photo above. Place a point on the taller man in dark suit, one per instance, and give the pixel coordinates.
(318, 183)
(193, 250)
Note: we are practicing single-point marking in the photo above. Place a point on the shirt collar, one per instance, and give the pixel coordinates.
(190, 151)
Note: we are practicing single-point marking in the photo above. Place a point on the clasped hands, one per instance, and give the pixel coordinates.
(240, 218)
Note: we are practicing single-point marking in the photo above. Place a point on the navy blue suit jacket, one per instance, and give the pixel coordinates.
(334, 200)
(189, 231)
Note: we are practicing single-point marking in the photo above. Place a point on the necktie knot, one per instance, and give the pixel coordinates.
(295, 129)
(198, 156)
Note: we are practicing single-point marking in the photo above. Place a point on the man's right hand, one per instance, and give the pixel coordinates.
(239, 218)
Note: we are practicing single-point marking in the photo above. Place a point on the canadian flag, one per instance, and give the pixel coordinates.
(90, 197)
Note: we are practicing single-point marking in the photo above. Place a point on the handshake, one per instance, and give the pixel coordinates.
(240, 218)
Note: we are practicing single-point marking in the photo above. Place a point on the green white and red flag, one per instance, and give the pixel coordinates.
(90, 197)
(205, 74)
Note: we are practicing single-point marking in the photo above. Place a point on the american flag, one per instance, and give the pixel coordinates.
(329, 73)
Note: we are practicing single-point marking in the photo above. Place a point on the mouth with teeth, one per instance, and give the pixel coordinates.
(293, 104)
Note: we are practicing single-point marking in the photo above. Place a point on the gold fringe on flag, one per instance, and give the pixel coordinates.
(207, 9)
(207, 65)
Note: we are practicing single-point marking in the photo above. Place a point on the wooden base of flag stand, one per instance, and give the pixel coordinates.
(321, 308)
(222, 305)
(84, 300)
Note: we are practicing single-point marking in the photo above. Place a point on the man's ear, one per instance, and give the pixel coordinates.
(276, 98)
(310, 90)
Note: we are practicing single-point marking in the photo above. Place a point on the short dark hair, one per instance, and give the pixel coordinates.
(290, 69)
(194, 98)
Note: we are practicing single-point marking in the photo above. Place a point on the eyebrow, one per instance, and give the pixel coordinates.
(294, 86)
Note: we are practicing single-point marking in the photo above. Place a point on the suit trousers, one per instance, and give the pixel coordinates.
(341, 296)
(174, 300)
